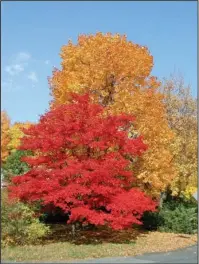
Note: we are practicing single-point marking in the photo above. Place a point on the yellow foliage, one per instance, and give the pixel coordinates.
(16, 134)
(5, 138)
(182, 117)
(189, 191)
(117, 74)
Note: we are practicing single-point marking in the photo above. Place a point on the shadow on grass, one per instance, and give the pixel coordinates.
(62, 233)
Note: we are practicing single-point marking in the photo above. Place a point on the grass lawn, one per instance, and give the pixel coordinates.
(96, 244)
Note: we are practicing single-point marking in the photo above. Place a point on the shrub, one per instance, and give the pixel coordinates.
(19, 224)
(177, 216)
(151, 220)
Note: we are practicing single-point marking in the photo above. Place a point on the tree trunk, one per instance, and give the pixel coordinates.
(73, 230)
(162, 198)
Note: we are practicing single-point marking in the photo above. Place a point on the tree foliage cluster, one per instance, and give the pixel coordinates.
(114, 139)
(10, 136)
(82, 166)
(5, 137)
(117, 73)
(181, 110)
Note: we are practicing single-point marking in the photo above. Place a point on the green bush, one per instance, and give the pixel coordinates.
(19, 225)
(151, 220)
(14, 166)
(176, 216)
(181, 218)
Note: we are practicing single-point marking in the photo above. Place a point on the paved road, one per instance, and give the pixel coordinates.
(188, 255)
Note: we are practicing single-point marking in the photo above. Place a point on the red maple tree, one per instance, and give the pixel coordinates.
(81, 166)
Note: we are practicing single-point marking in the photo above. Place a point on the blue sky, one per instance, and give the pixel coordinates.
(33, 33)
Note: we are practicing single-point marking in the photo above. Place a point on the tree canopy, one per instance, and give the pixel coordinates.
(181, 110)
(5, 137)
(117, 73)
(82, 166)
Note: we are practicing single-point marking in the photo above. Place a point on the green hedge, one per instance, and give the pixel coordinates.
(176, 216)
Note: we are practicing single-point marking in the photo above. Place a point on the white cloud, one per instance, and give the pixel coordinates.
(33, 77)
(18, 63)
(47, 62)
(23, 56)
(14, 69)
(19, 69)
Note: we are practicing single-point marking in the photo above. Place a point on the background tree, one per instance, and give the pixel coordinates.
(16, 133)
(5, 137)
(117, 73)
(14, 166)
(82, 168)
(182, 117)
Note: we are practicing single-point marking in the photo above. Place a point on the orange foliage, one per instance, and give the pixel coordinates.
(117, 74)
(5, 138)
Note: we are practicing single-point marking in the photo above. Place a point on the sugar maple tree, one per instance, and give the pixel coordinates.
(5, 138)
(82, 166)
(117, 73)
(181, 110)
